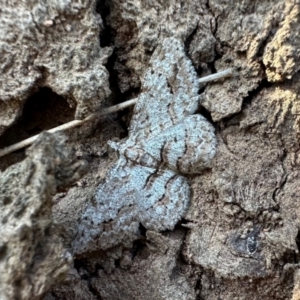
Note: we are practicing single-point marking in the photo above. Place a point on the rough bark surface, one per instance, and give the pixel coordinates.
(239, 237)
(53, 44)
(33, 256)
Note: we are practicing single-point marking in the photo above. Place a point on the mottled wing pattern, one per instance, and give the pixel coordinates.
(163, 131)
(165, 138)
(131, 195)
(187, 147)
(169, 91)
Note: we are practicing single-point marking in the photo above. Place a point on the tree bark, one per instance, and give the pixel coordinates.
(238, 235)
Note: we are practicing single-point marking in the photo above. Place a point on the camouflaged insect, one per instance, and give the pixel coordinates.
(146, 186)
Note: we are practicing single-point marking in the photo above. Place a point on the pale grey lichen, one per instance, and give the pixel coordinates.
(165, 139)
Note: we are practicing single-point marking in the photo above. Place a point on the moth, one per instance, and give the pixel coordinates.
(147, 187)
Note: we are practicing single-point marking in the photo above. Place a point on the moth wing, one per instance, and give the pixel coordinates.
(169, 91)
(188, 147)
(166, 199)
(131, 195)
